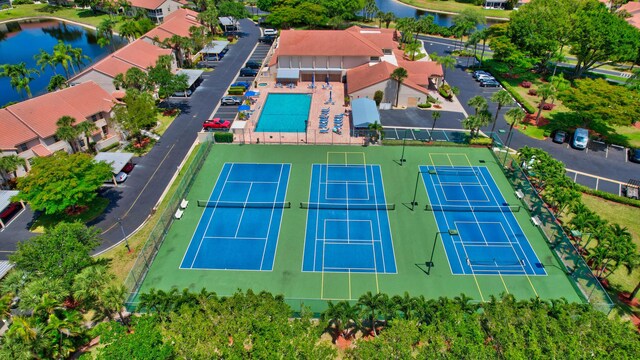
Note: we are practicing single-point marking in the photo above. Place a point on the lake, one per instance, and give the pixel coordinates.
(20, 41)
(402, 10)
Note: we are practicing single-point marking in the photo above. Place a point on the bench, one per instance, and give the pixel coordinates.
(179, 214)
(536, 220)
(519, 194)
(184, 204)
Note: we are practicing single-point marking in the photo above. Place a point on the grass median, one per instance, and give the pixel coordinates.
(85, 16)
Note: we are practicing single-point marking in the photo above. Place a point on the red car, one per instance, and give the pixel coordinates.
(216, 124)
(128, 167)
(9, 210)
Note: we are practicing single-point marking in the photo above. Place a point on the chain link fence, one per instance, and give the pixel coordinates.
(159, 231)
(575, 266)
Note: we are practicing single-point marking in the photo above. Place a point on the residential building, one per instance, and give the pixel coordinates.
(156, 10)
(363, 58)
(633, 9)
(140, 54)
(178, 23)
(29, 127)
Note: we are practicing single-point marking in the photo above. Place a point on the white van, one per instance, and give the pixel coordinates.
(580, 138)
(270, 32)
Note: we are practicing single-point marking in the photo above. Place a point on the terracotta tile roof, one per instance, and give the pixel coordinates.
(420, 71)
(633, 8)
(381, 38)
(147, 4)
(325, 43)
(41, 113)
(41, 150)
(177, 23)
(13, 131)
(139, 53)
(364, 76)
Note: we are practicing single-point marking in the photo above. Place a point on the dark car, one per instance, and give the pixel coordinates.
(634, 155)
(128, 167)
(230, 100)
(248, 72)
(251, 64)
(241, 83)
(267, 39)
(489, 83)
(215, 124)
(560, 137)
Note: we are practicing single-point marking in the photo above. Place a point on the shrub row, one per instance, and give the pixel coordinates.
(236, 92)
(112, 146)
(481, 141)
(431, 99)
(424, 106)
(223, 137)
(609, 196)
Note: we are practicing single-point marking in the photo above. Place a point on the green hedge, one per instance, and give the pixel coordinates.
(236, 92)
(112, 146)
(530, 108)
(424, 106)
(610, 196)
(223, 137)
(481, 141)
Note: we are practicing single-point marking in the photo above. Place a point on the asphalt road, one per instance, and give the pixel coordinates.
(134, 200)
(599, 161)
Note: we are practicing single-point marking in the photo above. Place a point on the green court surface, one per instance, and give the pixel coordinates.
(413, 234)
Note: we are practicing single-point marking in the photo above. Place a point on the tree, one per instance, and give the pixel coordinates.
(19, 76)
(60, 252)
(370, 9)
(209, 18)
(586, 97)
(134, 78)
(137, 113)
(370, 303)
(235, 10)
(60, 331)
(62, 56)
(501, 98)
(9, 165)
(44, 59)
(386, 18)
(399, 341)
(405, 303)
(87, 128)
(162, 77)
(105, 31)
(599, 38)
(412, 48)
(57, 82)
(466, 21)
(145, 343)
(545, 92)
(67, 131)
(378, 96)
(377, 127)
(399, 74)
(62, 182)
(342, 316)
(112, 300)
(478, 103)
(435, 115)
(447, 62)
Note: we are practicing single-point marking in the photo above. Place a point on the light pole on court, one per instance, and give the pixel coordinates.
(404, 141)
(433, 250)
(414, 203)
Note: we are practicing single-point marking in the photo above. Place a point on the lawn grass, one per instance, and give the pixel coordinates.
(121, 259)
(163, 122)
(632, 134)
(85, 16)
(95, 209)
(456, 7)
(626, 216)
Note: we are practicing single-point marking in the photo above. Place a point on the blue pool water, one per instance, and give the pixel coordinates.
(284, 113)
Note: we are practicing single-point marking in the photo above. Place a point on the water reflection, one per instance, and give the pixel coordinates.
(401, 10)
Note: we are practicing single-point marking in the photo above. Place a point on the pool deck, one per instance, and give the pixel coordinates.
(318, 99)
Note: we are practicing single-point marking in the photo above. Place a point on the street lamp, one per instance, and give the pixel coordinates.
(414, 203)
(433, 250)
(124, 236)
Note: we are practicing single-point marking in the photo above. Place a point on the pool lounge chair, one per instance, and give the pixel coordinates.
(337, 131)
(324, 131)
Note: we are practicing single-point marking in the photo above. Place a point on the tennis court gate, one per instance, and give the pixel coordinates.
(582, 277)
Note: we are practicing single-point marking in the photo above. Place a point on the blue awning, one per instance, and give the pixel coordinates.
(244, 107)
(364, 112)
(288, 74)
(252, 93)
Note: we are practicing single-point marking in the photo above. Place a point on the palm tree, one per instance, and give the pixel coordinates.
(87, 128)
(61, 330)
(89, 284)
(412, 48)
(399, 74)
(67, 132)
(44, 59)
(62, 56)
(370, 303)
(112, 300)
(435, 115)
(334, 315)
(209, 18)
(545, 92)
(78, 58)
(10, 164)
(129, 30)
(447, 62)
(514, 116)
(105, 31)
(177, 43)
(406, 304)
(502, 98)
(57, 82)
(478, 103)
(377, 127)
(19, 76)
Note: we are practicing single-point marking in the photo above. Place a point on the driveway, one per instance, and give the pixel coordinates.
(134, 200)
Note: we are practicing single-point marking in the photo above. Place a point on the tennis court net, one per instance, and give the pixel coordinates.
(240, 204)
(454, 172)
(464, 208)
(496, 262)
(331, 206)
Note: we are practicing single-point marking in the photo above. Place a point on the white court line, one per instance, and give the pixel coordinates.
(252, 182)
(233, 238)
(273, 211)
(246, 200)
(199, 221)
(306, 229)
(212, 214)
(280, 225)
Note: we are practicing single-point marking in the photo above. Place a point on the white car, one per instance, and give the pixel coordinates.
(270, 32)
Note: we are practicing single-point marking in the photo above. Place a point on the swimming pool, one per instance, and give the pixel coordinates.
(284, 113)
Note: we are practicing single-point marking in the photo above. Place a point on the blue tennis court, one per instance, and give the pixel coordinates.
(347, 222)
(478, 229)
(240, 224)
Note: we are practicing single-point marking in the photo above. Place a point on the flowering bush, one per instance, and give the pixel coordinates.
(547, 106)
(526, 84)
(533, 92)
